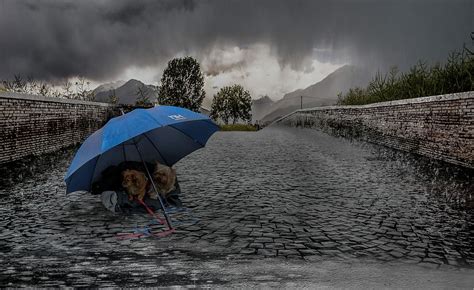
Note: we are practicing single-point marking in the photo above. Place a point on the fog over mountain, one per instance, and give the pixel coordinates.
(261, 107)
(108, 87)
(323, 93)
(269, 46)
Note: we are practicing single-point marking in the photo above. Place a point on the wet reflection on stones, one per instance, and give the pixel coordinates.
(281, 192)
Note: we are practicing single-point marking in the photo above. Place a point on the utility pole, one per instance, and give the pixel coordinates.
(301, 102)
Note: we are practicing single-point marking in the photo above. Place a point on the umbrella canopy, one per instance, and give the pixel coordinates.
(164, 133)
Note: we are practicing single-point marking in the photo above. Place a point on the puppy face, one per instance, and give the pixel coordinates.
(127, 178)
(165, 177)
(162, 174)
(134, 182)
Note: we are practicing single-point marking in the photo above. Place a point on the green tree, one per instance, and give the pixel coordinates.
(220, 108)
(232, 102)
(245, 104)
(182, 84)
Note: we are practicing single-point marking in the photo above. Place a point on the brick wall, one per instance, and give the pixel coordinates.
(32, 125)
(439, 127)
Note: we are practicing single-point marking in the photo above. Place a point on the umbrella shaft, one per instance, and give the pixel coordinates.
(154, 187)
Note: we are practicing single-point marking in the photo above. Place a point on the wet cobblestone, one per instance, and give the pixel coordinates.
(280, 193)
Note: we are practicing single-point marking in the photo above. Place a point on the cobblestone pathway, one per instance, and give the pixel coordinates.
(281, 192)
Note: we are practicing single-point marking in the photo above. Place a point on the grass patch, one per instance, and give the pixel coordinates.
(238, 127)
(456, 76)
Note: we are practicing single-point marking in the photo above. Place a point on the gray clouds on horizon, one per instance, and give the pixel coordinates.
(100, 39)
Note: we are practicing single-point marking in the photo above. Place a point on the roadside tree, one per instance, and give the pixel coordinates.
(232, 103)
(182, 84)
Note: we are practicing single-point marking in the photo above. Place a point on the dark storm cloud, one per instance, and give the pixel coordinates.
(99, 39)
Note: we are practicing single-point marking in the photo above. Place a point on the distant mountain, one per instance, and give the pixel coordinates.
(323, 93)
(126, 93)
(108, 86)
(260, 107)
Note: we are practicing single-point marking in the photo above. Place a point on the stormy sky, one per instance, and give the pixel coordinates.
(269, 46)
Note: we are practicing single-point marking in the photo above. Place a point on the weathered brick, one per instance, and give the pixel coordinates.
(439, 127)
(30, 126)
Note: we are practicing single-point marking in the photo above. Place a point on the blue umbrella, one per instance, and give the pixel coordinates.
(165, 134)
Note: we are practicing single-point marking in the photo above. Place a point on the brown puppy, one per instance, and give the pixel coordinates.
(164, 178)
(135, 183)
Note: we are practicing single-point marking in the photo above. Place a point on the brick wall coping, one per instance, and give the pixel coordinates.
(438, 98)
(19, 96)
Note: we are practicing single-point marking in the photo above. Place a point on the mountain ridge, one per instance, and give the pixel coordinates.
(128, 93)
(322, 93)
